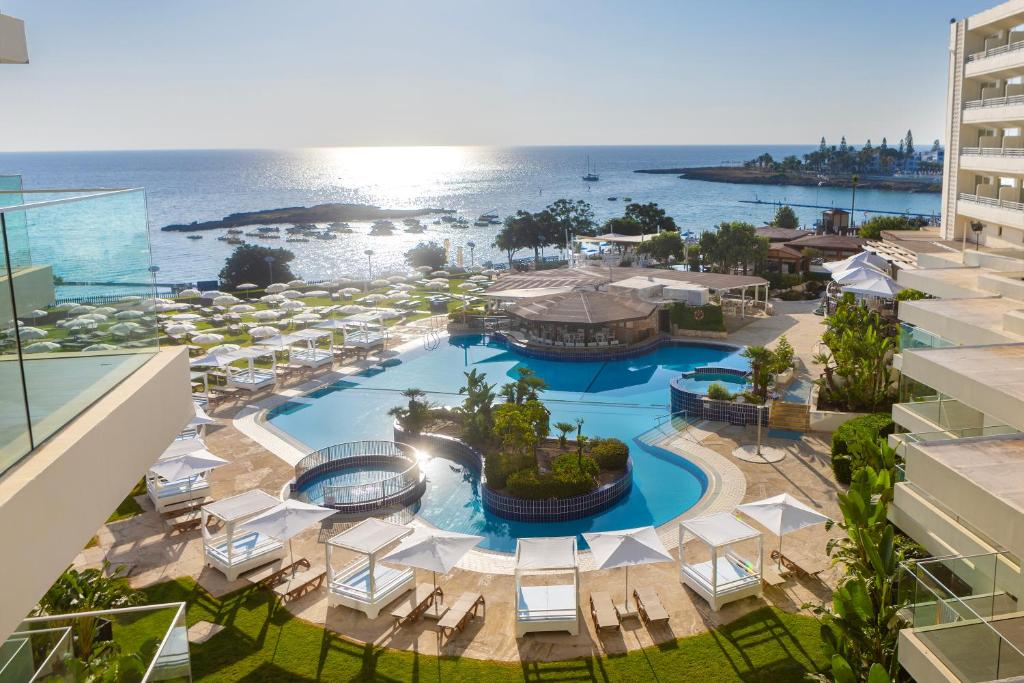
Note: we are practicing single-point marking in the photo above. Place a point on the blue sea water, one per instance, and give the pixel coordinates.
(197, 185)
(621, 399)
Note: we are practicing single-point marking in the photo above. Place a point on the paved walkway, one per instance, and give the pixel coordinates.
(154, 556)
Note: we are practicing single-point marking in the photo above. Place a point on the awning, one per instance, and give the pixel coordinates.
(719, 529)
(554, 553)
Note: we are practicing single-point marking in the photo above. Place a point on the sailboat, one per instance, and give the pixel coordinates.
(591, 176)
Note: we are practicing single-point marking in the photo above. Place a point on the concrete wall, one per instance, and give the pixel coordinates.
(54, 500)
(33, 288)
(932, 316)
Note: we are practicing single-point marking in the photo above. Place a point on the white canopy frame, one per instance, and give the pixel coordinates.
(548, 607)
(310, 354)
(234, 554)
(165, 493)
(250, 378)
(366, 584)
(727, 576)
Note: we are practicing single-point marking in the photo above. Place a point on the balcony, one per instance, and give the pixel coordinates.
(996, 61)
(992, 160)
(991, 210)
(1001, 109)
(153, 638)
(912, 337)
(76, 276)
(1017, 46)
(965, 619)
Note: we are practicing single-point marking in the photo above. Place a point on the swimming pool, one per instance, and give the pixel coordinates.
(620, 398)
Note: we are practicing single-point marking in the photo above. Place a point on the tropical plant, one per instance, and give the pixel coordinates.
(108, 664)
(910, 294)
(413, 417)
(513, 429)
(693, 257)
(623, 225)
(540, 420)
(248, 264)
(718, 392)
(650, 217)
(87, 590)
(574, 217)
(857, 357)
(427, 254)
(527, 386)
(610, 453)
(873, 227)
(783, 355)
(477, 408)
(664, 247)
(733, 246)
(762, 367)
(563, 432)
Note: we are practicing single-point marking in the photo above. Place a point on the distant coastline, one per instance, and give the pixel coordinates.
(321, 213)
(756, 176)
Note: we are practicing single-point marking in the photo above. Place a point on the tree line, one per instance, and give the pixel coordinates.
(845, 158)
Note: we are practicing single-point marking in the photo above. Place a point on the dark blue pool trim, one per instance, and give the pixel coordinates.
(407, 496)
(698, 405)
(520, 509)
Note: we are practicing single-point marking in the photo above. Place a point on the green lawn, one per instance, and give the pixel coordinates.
(264, 645)
(129, 507)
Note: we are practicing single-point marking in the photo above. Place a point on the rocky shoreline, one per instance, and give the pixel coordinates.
(321, 213)
(756, 176)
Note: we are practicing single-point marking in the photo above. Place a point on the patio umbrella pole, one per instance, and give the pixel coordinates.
(780, 553)
(627, 588)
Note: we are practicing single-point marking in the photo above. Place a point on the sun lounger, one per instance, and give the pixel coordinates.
(413, 606)
(648, 603)
(772, 578)
(602, 609)
(461, 613)
(184, 522)
(275, 572)
(803, 564)
(176, 509)
(296, 585)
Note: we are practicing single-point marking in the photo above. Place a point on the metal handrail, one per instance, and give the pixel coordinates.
(992, 201)
(15, 208)
(351, 449)
(994, 102)
(993, 151)
(998, 50)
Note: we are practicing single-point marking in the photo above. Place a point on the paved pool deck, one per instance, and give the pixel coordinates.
(143, 543)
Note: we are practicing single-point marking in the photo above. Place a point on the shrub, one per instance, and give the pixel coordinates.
(500, 466)
(248, 263)
(570, 467)
(718, 392)
(610, 454)
(783, 355)
(531, 485)
(870, 427)
(910, 294)
(685, 317)
(782, 280)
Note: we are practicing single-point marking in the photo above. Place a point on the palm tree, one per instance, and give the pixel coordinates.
(762, 363)
(563, 428)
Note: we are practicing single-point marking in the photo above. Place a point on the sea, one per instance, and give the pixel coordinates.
(197, 185)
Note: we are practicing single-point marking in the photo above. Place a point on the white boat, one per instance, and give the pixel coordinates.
(591, 174)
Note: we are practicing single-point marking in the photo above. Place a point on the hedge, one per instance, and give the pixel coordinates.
(872, 427)
(610, 454)
(713, 320)
(567, 479)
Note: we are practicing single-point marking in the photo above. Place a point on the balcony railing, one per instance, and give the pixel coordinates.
(1016, 152)
(993, 51)
(57, 359)
(948, 434)
(994, 102)
(912, 337)
(152, 639)
(992, 201)
(963, 610)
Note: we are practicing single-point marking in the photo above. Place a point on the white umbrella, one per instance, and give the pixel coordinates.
(349, 291)
(179, 328)
(225, 300)
(272, 298)
(267, 315)
(247, 285)
(437, 284)
(379, 283)
(41, 347)
(845, 277)
(263, 331)
(432, 549)
(189, 293)
(208, 338)
(201, 418)
(864, 258)
(352, 309)
(131, 328)
(79, 310)
(286, 520)
(106, 310)
(306, 317)
(627, 548)
(187, 465)
(782, 514)
(394, 279)
(275, 288)
(489, 271)
(881, 286)
(292, 305)
(128, 315)
(296, 283)
(374, 298)
(223, 348)
(467, 285)
(37, 313)
(99, 347)
(242, 308)
(94, 317)
(186, 317)
(317, 293)
(440, 273)
(32, 333)
(423, 269)
(292, 294)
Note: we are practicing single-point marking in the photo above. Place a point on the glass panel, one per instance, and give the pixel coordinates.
(83, 295)
(912, 337)
(15, 440)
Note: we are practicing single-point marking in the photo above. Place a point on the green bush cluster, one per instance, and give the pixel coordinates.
(570, 476)
(683, 317)
(500, 466)
(870, 427)
(718, 392)
(610, 454)
(782, 280)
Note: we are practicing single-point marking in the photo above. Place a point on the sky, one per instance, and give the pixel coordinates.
(194, 74)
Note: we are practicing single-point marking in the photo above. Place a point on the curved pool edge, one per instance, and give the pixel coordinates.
(726, 482)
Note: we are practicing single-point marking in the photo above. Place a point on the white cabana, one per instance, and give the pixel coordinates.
(235, 553)
(627, 548)
(287, 519)
(880, 287)
(249, 378)
(179, 474)
(855, 273)
(366, 584)
(782, 514)
(727, 576)
(548, 607)
(312, 356)
(434, 550)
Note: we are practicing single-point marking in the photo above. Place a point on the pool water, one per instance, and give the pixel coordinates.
(620, 398)
(350, 477)
(699, 384)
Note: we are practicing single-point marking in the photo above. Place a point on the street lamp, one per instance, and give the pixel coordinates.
(976, 228)
(853, 199)
(472, 247)
(270, 269)
(369, 268)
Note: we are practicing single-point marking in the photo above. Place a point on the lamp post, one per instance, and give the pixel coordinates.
(369, 268)
(270, 269)
(853, 199)
(976, 228)
(472, 248)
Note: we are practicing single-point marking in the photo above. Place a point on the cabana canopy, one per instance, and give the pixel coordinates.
(727, 575)
(365, 584)
(370, 536)
(236, 553)
(864, 258)
(719, 530)
(241, 506)
(546, 554)
(547, 607)
(881, 286)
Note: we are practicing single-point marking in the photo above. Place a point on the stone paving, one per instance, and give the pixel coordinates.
(153, 555)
